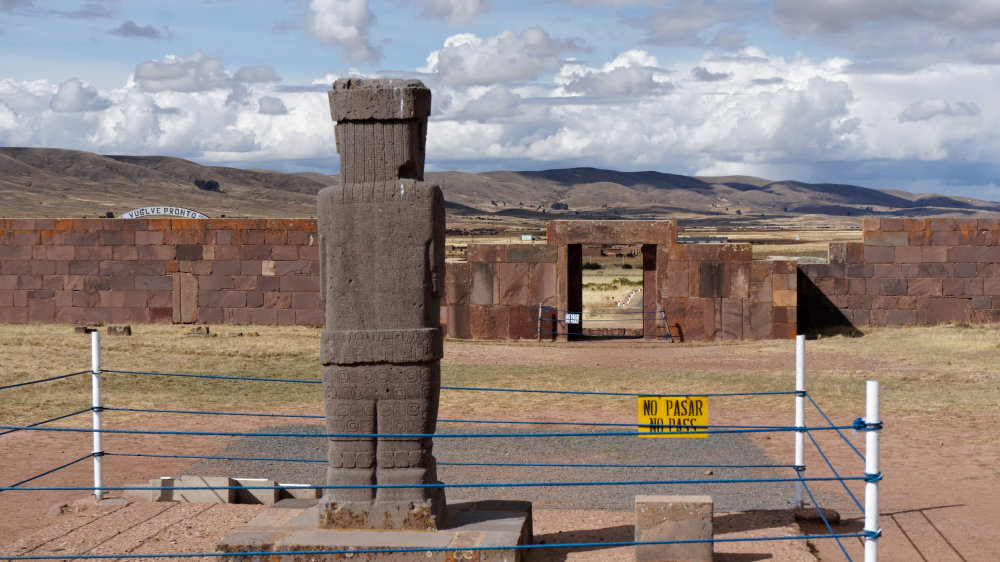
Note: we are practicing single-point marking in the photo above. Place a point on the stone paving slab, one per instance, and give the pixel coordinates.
(293, 526)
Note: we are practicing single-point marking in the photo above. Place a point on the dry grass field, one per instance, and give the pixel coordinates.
(926, 371)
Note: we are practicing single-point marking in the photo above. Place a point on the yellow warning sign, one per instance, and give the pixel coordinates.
(673, 416)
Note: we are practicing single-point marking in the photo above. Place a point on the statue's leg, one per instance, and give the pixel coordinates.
(410, 408)
(350, 410)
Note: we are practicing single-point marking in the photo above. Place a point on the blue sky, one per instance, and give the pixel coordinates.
(882, 93)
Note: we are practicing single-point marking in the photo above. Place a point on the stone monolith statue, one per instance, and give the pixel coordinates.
(381, 235)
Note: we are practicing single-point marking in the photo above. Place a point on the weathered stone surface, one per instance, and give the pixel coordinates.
(381, 234)
(612, 231)
(732, 319)
(530, 253)
(290, 527)
(879, 254)
(666, 518)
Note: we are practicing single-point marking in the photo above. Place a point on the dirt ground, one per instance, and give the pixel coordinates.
(940, 499)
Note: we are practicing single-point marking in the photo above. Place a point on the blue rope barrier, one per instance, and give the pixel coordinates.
(611, 465)
(46, 473)
(456, 463)
(39, 381)
(355, 551)
(215, 458)
(540, 484)
(834, 470)
(409, 435)
(603, 424)
(481, 389)
(629, 394)
(636, 314)
(497, 422)
(822, 515)
(830, 422)
(50, 420)
(201, 376)
(209, 413)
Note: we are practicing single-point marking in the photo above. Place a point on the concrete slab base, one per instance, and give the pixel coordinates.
(291, 526)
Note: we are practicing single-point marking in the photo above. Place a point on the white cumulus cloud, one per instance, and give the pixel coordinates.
(344, 23)
(633, 73)
(75, 95)
(928, 109)
(467, 59)
(270, 105)
(453, 11)
(195, 73)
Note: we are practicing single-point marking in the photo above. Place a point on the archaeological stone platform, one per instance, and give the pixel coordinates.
(291, 526)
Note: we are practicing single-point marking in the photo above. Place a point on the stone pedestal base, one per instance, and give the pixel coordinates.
(397, 515)
(673, 518)
(292, 526)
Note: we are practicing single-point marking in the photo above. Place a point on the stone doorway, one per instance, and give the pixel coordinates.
(570, 238)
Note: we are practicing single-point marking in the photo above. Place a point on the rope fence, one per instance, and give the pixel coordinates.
(869, 478)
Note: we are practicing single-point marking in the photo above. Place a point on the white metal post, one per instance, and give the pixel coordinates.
(539, 336)
(96, 406)
(873, 421)
(800, 413)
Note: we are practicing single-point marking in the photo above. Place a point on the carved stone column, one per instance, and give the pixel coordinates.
(381, 234)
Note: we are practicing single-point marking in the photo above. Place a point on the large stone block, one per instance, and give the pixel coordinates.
(879, 254)
(531, 253)
(991, 286)
(934, 254)
(543, 283)
(485, 287)
(667, 518)
(902, 317)
(966, 270)
(909, 254)
(563, 232)
(884, 238)
(488, 322)
(962, 287)
(946, 238)
(892, 287)
(761, 271)
(707, 279)
(732, 319)
(916, 225)
(737, 283)
(486, 253)
(943, 310)
(760, 292)
(837, 253)
(855, 253)
(786, 297)
(514, 283)
(676, 281)
(924, 287)
(457, 321)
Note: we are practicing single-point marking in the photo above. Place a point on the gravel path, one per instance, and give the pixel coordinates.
(716, 451)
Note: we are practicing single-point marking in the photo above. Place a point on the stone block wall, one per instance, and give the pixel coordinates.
(715, 292)
(496, 293)
(906, 272)
(238, 271)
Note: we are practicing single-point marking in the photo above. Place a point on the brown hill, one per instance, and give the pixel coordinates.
(38, 182)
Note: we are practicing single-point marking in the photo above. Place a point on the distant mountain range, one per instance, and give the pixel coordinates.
(44, 182)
